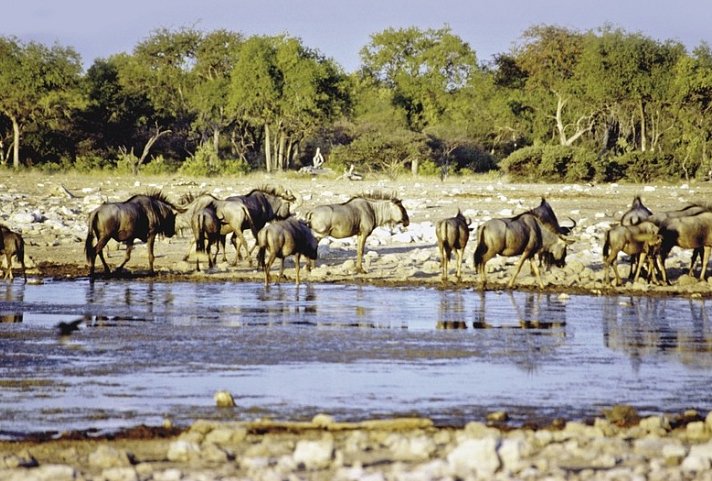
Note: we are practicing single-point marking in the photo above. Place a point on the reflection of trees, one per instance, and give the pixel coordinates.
(644, 327)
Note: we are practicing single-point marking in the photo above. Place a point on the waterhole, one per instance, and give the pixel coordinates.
(138, 352)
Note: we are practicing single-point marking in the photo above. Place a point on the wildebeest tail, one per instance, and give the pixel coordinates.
(89, 250)
(200, 241)
(607, 245)
(481, 248)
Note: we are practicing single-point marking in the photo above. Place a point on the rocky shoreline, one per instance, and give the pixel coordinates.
(617, 446)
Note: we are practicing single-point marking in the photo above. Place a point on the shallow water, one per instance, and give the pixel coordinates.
(148, 350)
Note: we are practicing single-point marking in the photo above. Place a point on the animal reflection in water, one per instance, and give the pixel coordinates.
(645, 328)
(522, 328)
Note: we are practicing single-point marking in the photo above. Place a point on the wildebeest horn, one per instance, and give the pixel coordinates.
(573, 226)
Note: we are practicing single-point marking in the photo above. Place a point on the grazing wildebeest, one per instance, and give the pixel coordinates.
(357, 216)
(689, 232)
(206, 227)
(284, 238)
(252, 211)
(12, 245)
(545, 213)
(636, 214)
(641, 240)
(140, 217)
(523, 235)
(453, 234)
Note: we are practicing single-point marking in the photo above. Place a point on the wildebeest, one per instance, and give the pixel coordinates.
(252, 211)
(140, 217)
(452, 234)
(12, 245)
(545, 213)
(689, 232)
(636, 214)
(282, 239)
(641, 240)
(523, 235)
(357, 216)
(206, 227)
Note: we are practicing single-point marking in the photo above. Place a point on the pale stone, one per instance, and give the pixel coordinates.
(474, 457)
(418, 448)
(119, 474)
(108, 457)
(314, 454)
(182, 451)
(695, 464)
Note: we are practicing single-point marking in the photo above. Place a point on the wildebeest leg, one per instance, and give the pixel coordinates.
(695, 254)
(641, 260)
(535, 268)
(151, 240)
(99, 250)
(129, 248)
(614, 265)
(460, 254)
(705, 260)
(360, 244)
(443, 262)
(281, 269)
(8, 269)
(268, 266)
(518, 268)
(239, 243)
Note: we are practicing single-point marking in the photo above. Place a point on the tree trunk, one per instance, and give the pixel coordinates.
(268, 150)
(281, 147)
(216, 140)
(643, 133)
(560, 102)
(415, 163)
(147, 148)
(15, 143)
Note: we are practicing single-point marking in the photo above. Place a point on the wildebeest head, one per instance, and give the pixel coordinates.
(399, 214)
(546, 215)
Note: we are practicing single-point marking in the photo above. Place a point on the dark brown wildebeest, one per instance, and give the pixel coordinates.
(523, 235)
(545, 213)
(140, 217)
(12, 245)
(689, 232)
(636, 214)
(357, 216)
(252, 211)
(453, 234)
(641, 240)
(282, 239)
(206, 227)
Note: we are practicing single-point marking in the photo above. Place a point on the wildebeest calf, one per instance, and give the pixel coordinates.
(285, 238)
(206, 227)
(453, 234)
(640, 240)
(13, 245)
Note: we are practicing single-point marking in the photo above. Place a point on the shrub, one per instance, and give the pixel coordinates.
(553, 163)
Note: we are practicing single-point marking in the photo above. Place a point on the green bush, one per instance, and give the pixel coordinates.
(643, 167)
(551, 163)
(159, 165)
(428, 168)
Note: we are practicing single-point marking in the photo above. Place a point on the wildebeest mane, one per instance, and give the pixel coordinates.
(189, 197)
(376, 195)
(277, 191)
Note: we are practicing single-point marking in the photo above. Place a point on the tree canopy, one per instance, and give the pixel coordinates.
(602, 104)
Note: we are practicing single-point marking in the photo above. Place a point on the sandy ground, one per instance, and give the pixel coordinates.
(51, 212)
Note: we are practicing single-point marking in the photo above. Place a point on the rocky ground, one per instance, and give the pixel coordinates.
(618, 446)
(51, 212)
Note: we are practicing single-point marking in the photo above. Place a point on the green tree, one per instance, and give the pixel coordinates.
(288, 91)
(38, 85)
(423, 68)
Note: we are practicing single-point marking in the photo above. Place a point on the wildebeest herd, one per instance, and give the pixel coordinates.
(279, 232)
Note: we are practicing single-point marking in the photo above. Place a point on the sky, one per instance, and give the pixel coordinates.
(340, 28)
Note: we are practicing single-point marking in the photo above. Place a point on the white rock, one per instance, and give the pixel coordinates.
(648, 188)
(418, 448)
(474, 456)
(182, 451)
(695, 464)
(108, 457)
(119, 474)
(314, 454)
